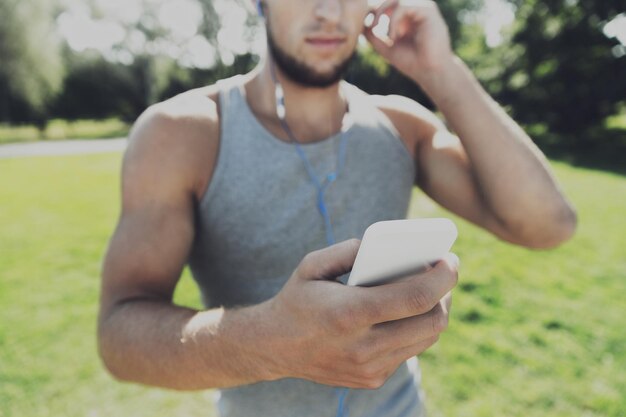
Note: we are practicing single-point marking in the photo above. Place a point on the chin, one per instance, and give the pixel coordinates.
(308, 68)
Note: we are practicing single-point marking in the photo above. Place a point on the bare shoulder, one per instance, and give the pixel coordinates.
(404, 107)
(184, 113)
(176, 141)
(418, 126)
(404, 110)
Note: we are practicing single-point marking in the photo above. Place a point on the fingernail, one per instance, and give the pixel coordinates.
(454, 259)
(369, 19)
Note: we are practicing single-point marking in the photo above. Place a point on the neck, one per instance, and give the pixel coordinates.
(312, 113)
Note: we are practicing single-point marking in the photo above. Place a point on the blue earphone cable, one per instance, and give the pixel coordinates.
(342, 408)
(320, 187)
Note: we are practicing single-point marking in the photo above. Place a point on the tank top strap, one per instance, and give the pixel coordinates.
(230, 97)
(364, 112)
(230, 101)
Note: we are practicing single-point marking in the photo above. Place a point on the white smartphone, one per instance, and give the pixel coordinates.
(396, 248)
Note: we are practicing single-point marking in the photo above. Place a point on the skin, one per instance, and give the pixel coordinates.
(314, 328)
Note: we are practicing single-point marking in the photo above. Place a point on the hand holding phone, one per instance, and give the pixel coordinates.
(397, 248)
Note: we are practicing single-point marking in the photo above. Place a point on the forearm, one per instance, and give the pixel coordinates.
(511, 173)
(156, 343)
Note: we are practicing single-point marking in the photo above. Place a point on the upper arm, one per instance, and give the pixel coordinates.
(160, 183)
(443, 169)
(445, 174)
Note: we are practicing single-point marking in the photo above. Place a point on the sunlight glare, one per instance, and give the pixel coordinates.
(182, 17)
(616, 28)
(83, 33)
(496, 15)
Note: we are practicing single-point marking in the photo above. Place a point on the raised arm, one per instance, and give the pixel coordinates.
(494, 175)
(509, 187)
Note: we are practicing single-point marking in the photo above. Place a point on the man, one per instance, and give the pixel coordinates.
(227, 179)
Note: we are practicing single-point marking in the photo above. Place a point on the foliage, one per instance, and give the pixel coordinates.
(560, 70)
(120, 89)
(538, 334)
(372, 74)
(150, 62)
(97, 88)
(453, 12)
(182, 80)
(31, 69)
(556, 72)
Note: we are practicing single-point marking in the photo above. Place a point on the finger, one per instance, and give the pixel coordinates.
(394, 22)
(406, 16)
(386, 365)
(368, 21)
(412, 296)
(448, 301)
(451, 259)
(412, 330)
(405, 20)
(403, 354)
(381, 46)
(329, 263)
(340, 376)
(385, 7)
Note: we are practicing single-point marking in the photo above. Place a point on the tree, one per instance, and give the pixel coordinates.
(95, 88)
(154, 56)
(147, 63)
(31, 68)
(564, 74)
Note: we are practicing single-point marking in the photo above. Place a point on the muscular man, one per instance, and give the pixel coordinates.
(250, 181)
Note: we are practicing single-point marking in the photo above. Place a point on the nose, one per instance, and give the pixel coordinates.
(328, 10)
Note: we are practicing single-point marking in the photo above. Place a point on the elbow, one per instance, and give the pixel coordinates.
(559, 229)
(116, 363)
(563, 228)
(113, 370)
(109, 351)
(124, 363)
(106, 352)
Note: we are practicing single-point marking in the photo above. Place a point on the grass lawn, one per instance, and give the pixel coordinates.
(532, 333)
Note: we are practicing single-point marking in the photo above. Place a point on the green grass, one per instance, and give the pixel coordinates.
(532, 333)
(62, 129)
(539, 333)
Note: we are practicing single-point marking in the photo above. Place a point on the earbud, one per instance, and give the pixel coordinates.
(259, 7)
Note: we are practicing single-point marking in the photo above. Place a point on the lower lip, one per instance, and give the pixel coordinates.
(323, 45)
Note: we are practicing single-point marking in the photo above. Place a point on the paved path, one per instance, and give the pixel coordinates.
(65, 147)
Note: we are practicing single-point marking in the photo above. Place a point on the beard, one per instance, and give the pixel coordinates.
(299, 72)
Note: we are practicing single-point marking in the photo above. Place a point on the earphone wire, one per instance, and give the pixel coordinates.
(321, 187)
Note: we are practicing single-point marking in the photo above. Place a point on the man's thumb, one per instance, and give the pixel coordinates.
(331, 262)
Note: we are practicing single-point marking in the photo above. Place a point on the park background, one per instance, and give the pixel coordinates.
(535, 333)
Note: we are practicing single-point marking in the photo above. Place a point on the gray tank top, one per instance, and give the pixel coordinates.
(258, 218)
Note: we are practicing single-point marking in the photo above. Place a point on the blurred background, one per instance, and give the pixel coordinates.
(559, 66)
(532, 333)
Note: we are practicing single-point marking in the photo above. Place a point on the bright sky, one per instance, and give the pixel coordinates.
(182, 18)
